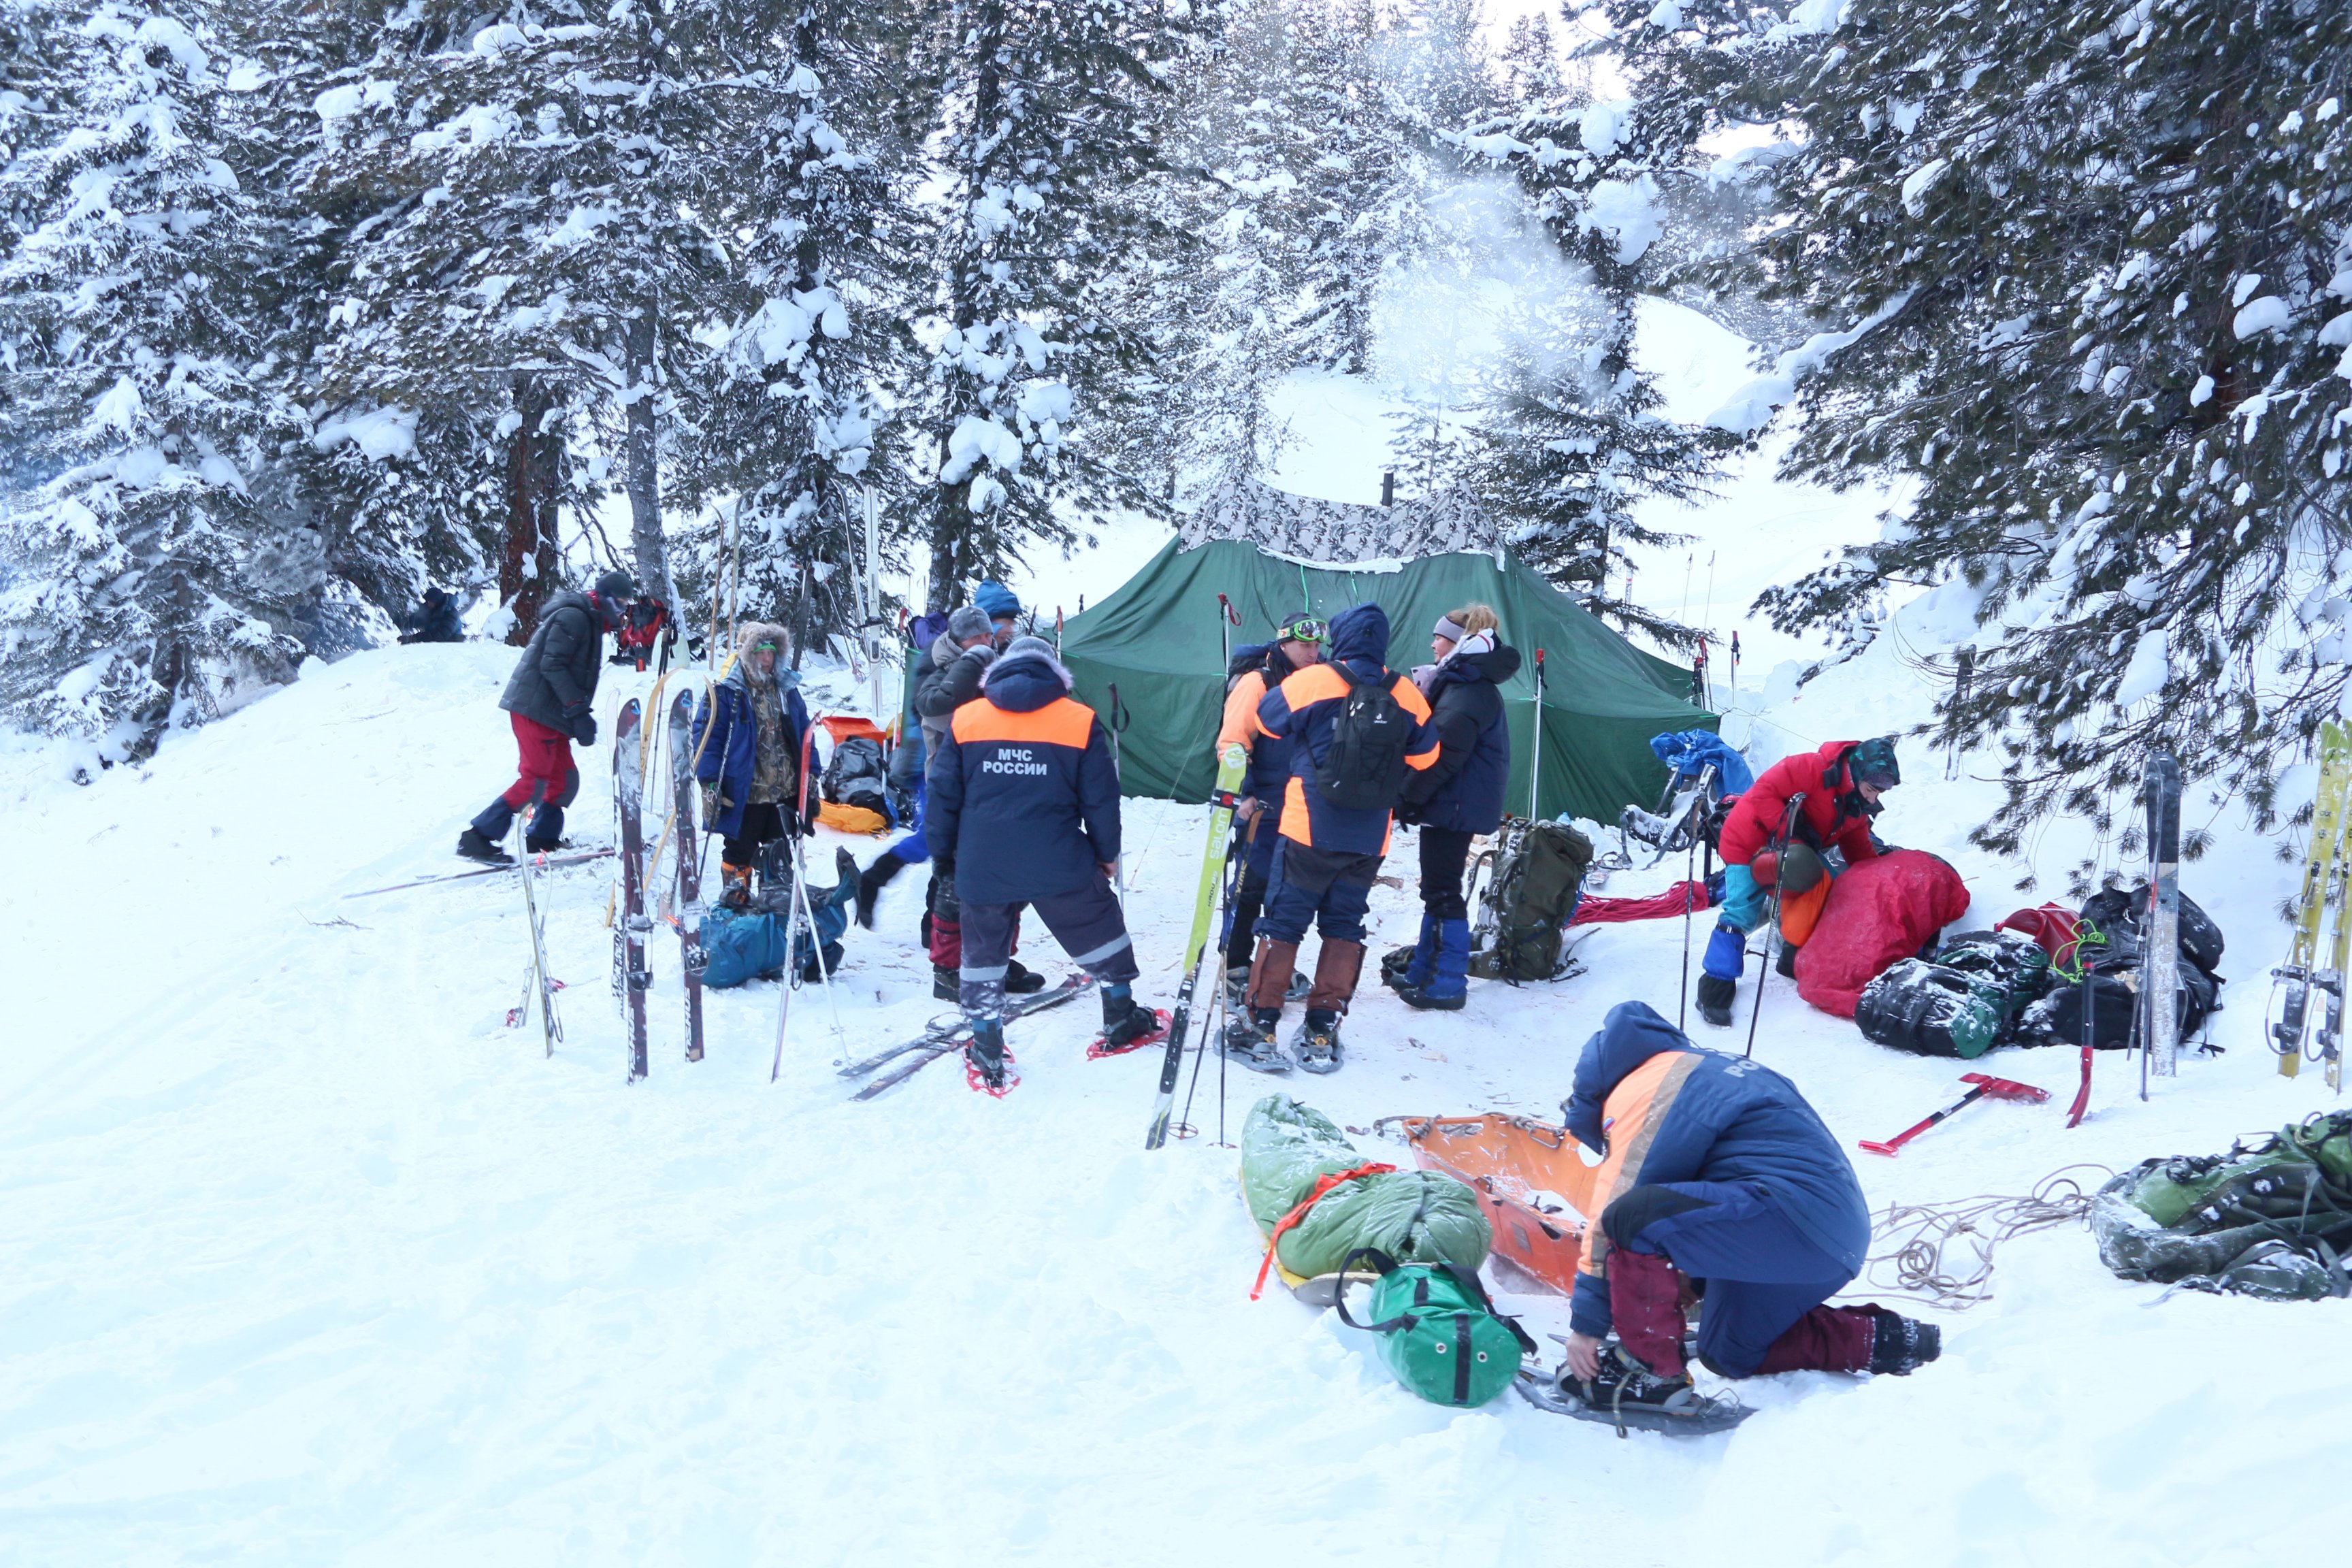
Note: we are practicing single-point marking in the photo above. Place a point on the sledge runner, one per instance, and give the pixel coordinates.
(1253, 671)
(548, 701)
(1837, 789)
(1023, 809)
(748, 742)
(1458, 798)
(1358, 730)
(1715, 1170)
(951, 678)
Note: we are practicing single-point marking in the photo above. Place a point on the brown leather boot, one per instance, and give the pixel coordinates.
(1338, 964)
(1270, 974)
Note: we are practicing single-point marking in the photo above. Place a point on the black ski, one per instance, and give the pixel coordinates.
(544, 863)
(950, 1035)
(691, 962)
(630, 978)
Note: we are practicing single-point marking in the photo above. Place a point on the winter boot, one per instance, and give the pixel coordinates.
(1727, 956)
(1449, 982)
(1128, 1024)
(1900, 1346)
(872, 881)
(1237, 986)
(735, 886)
(1716, 996)
(1625, 1386)
(1316, 1043)
(1338, 964)
(1785, 966)
(1270, 974)
(947, 985)
(474, 847)
(985, 1065)
(1019, 981)
(1249, 1040)
(1420, 960)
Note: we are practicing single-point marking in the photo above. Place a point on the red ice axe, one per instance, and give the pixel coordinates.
(1994, 1087)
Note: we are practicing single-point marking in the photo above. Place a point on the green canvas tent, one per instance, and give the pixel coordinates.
(1156, 641)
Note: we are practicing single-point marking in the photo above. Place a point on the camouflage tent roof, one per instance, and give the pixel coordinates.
(1284, 524)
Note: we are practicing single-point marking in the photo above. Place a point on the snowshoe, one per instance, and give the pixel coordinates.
(1141, 1027)
(1715, 997)
(474, 847)
(987, 1065)
(1627, 1396)
(1247, 1045)
(1900, 1346)
(1019, 981)
(1316, 1045)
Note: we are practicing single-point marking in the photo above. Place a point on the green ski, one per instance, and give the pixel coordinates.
(2301, 972)
(1231, 764)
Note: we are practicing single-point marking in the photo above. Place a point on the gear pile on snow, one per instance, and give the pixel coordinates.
(1537, 877)
(2273, 1221)
(1317, 1199)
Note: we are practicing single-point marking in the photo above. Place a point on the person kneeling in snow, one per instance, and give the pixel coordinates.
(1714, 1169)
(1023, 808)
(1835, 791)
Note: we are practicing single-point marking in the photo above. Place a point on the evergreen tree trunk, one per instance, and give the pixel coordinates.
(527, 568)
(644, 475)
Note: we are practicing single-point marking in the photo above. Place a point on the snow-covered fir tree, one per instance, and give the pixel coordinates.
(2092, 272)
(147, 585)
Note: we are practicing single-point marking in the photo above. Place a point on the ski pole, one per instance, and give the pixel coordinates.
(1992, 1088)
(1116, 726)
(1772, 918)
(1534, 759)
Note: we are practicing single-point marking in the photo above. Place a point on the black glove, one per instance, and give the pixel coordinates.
(581, 722)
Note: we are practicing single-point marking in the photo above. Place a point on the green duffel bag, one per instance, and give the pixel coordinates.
(1438, 1328)
(1287, 1151)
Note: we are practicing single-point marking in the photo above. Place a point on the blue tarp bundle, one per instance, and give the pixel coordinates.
(1688, 750)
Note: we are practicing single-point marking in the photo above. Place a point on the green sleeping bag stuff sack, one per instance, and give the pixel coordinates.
(1415, 1216)
(1439, 1331)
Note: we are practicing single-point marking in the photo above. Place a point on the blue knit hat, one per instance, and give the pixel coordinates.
(998, 601)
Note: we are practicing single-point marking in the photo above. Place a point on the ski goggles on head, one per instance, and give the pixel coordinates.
(1304, 628)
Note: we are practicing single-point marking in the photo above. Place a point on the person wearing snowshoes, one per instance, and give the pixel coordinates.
(550, 701)
(1253, 671)
(951, 677)
(1357, 731)
(749, 735)
(1715, 1174)
(1457, 799)
(1766, 857)
(1023, 809)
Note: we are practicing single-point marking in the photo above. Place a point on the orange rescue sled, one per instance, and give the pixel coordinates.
(1529, 1178)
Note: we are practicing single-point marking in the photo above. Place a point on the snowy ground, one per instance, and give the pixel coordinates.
(314, 1260)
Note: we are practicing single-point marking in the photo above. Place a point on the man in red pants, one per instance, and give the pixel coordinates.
(548, 700)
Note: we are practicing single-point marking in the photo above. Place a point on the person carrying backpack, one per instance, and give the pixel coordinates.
(1024, 809)
(907, 765)
(1460, 797)
(749, 735)
(1253, 671)
(1837, 790)
(549, 702)
(1357, 732)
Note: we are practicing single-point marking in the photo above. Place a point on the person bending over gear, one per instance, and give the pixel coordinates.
(1716, 1171)
(1253, 672)
(749, 735)
(436, 620)
(549, 702)
(1837, 790)
(959, 659)
(1023, 809)
(1460, 797)
(1357, 732)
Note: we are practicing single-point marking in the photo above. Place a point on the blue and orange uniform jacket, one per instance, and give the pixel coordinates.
(1302, 709)
(1663, 1109)
(1023, 797)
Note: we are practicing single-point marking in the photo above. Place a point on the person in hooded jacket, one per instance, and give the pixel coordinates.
(1715, 1170)
(1836, 791)
(749, 739)
(1253, 671)
(435, 620)
(1023, 809)
(550, 701)
(1329, 853)
(951, 677)
(1459, 797)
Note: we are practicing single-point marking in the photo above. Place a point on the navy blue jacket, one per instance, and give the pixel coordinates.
(1464, 791)
(1304, 709)
(1023, 800)
(730, 756)
(1663, 1109)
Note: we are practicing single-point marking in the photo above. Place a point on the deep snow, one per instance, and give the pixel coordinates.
(314, 1260)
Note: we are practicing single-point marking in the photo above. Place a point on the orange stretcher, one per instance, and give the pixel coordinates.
(1534, 1186)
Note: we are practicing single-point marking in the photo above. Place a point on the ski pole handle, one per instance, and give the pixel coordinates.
(1225, 608)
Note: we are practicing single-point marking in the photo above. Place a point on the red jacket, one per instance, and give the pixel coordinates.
(1830, 816)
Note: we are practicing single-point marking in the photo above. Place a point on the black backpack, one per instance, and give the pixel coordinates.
(1364, 768)
(857, 776)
